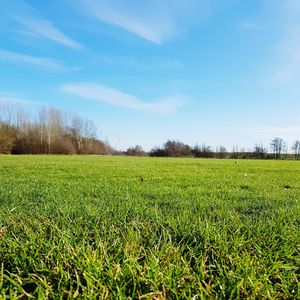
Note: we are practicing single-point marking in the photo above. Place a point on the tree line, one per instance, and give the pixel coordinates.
(50, 132)
(172, 148)
(53, 131)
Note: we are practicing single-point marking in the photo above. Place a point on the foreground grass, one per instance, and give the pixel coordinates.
(112, 227)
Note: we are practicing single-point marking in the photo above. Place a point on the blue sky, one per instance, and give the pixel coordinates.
(213, 71)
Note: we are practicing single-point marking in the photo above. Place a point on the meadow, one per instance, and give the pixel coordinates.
(92, 227)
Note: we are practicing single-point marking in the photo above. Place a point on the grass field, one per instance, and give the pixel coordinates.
(149, 228)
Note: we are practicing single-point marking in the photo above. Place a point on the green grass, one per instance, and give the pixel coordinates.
(149, 228)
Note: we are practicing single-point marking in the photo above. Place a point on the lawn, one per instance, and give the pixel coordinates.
(151, 228)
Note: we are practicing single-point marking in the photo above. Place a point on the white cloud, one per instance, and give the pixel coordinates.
(286, 60)
(174, 64)
(281, 21)
(42, 62)
(282, 131)
(33, 24)
(115, 97)
(288, 67)
(152, 20)
(44, 29)
(267, 133)
(249, 25)
(150, 64)
(9, 100)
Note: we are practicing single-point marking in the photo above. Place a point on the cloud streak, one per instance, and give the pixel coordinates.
(282, 131)
(289, 63)
(267, 133)
(46, 30)
(152, 20)
(33, 24)
(151, 64)
(42, 62)
(250, 25)
(287, 51)
(8, 100)
(101, 93)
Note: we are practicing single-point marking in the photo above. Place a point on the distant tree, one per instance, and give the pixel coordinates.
(177, 149)
(259, 151)
(7, 138)
(172, 149)
(278, 146)
(51, 132)
(221, 152)
(235, 152)
(158, 152)
(203, 151)
(89, 133)
(7, 113)
(76, 132)
(135, 151)
(296, 149)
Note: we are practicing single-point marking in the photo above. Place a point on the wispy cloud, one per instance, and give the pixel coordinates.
(286, 61)
(281, 21)
(283, 131)
(98, 92)
(42, 62)
(250, 25)
(150, 64)
(9, 100)
(34, 25)
(45, 29)
(288, 65)
(267, 133)
(152, 20)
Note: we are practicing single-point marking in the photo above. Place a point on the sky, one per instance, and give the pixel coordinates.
(145, 71)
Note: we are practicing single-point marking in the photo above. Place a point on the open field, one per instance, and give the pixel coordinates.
(117, 227)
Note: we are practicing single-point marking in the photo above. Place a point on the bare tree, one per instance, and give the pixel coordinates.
(235, 152)
(278, 146)
(135, 151)
(50, 132)
(296, 149)
(203, 151)
(221, 152)
(7, 138)
(7, 113)
(89, 133)
(259, 151)
(43, 124)
(76, 131)
(177, 149)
